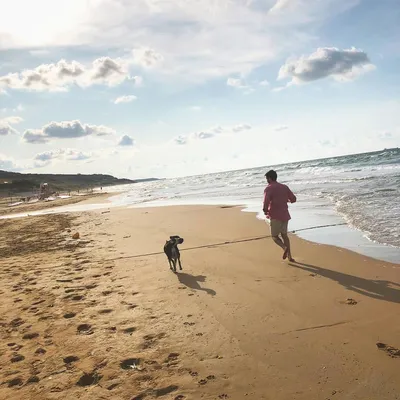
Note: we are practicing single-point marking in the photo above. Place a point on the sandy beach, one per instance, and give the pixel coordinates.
(5, 209)
(95, 318)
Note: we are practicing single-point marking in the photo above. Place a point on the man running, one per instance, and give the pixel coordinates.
(276, 199)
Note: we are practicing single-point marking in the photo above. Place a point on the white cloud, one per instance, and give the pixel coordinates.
(126, 141)
(5, 125)
(236, 83)
(108, 72)
(6, 129)
(13, 120)
(191, 35)
(181, 139)
(137, 80)
(280, 128)
(246, 87)
(65, 130)
(210, 133)
(61, 75)
(35, 136)
(241, 128)
(46, 157)
(341, 65)
(125, 99)
(146, 57)
(8, 163)
(195, 108)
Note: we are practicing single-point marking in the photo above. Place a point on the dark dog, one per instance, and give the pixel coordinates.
(172, 252)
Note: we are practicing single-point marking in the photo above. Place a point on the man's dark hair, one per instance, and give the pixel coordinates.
(272, 175)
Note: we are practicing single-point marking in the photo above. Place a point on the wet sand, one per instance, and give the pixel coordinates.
(89, 319)
(6, 210)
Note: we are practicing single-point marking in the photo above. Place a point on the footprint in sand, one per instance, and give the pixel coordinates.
(107, 292)
(113, 386)
(165, 391)
(46, 317)
(129, 331)
(16, 322)
(391, 351)
(85, 329)
(89, 379)
(173, 356)
(130, 363)
(30, 336)
(14, 382)
(17, 358)
(106, 311)
(189, 323)
(77, 298)
(70, 359)
(69, 315)
(40, 351)
(205, 381)
(91, 286)
(33, 379)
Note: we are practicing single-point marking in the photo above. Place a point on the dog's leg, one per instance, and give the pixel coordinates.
(170, 264)
(174, 262)
(180, 265)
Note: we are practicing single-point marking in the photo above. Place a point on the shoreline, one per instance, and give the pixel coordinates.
(339, 233)
(88, 318)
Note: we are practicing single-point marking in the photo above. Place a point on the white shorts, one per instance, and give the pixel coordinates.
(278, 227)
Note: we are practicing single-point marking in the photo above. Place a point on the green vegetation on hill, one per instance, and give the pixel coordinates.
(18, 183)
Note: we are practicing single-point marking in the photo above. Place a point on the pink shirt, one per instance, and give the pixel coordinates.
(276, 198)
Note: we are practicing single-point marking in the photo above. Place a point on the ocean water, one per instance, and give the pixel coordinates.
(360, 191)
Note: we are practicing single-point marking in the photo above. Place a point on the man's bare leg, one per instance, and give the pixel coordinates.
(279, 242)
(286, 243)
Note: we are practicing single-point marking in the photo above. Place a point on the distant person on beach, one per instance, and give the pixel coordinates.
(276, 199)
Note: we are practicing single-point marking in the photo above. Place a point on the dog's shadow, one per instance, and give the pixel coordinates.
(193, 282)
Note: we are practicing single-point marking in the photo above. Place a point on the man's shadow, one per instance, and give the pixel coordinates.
(377, 289)
(192, 282)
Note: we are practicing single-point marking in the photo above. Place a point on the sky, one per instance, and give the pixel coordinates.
(165, 88)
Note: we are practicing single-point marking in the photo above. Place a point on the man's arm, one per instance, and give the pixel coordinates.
(267, 201)
(291, 197)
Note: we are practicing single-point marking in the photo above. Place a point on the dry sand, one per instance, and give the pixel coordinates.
(84, 319)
